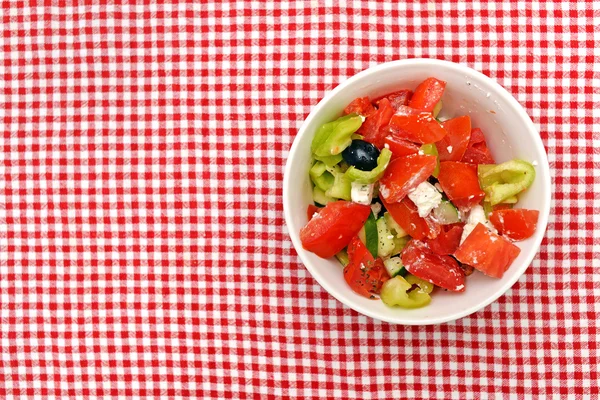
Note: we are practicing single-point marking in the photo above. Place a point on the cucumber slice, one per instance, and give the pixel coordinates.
(371, 235)
(432, 151)
(362, 235)
(393, 266)
(324, 182)
(385, 244)
(446, 213)
(320, 197)
(393, 225)
(317, 170)
(342, 257)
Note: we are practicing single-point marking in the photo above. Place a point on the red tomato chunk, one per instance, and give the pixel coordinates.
(398, 99)
(416, 126)
(333, 228)
(428, 94)
(477, 151)
(405, 213)
(452, 147)
(487, 252)
(361, 106)
(516, 224)
(403, 174)
(447, 241)
(442, 271)
(460, 183)
(364, 274)
(374, 129)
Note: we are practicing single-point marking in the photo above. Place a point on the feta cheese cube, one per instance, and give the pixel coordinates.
(426, 198)
(362, 193)
(476, 216)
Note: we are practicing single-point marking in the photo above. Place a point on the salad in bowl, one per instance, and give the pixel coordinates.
(411, 203)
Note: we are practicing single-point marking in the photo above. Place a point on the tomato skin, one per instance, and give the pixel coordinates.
(487, 252)
(404, 174)
(441, 270)
(333, 228)
(364, 274)
(405, 213)
(416, 126)
(427, 94)
(374, 129)
(311, 210)
(397, 99)
(460, 183)
(447, 241)
(477, 151)
(458, 134)
(400, 147)
(516, 224)
(361, 106)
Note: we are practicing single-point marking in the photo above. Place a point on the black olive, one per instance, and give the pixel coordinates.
(363, 155)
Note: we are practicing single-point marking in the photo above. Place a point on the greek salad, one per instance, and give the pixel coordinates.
(408, 202)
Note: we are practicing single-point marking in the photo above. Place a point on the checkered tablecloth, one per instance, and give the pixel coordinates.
(142, 242)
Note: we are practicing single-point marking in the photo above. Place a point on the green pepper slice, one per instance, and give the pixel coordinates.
(395, 292)
(356, 175)
(333, 137)
(501, 183)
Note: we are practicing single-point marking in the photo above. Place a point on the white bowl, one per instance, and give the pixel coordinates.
(509, 133)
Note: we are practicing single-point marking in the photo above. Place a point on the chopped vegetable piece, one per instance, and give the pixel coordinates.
(400, 147)
(333, 228)
(516, 224)
(487, 252)
(385, 244)
(361, 106)
(393, 266)
(431, 150)
(397, 99)
(342, 257)
(374, 128)
(332, 138)
(437, 109)
(505, 180)
(460, 183)
(364, 274)
(371, 235)
(404, 174)
(320, 197)
(329, 161)
(405, 213)
(425, 286)
(356, 175)
(446, 213)
(447, 241)
(442, 271)
(452, 147)
(393, 225)
(416, 126)
(477, 151)
(342, 187)
(427, 94)
(397, 292)
(311, 211)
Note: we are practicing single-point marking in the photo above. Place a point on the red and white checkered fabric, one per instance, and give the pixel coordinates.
(142, 242)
